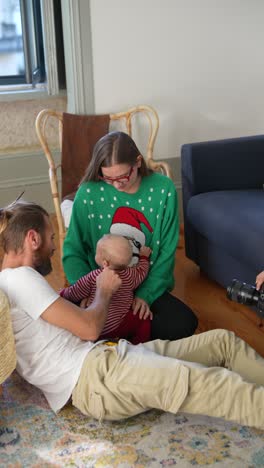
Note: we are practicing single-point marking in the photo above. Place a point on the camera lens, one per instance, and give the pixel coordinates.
(243, 293)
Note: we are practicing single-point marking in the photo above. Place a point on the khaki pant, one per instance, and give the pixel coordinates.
(214, 373)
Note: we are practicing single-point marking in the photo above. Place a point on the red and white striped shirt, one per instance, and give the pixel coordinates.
(122, 299)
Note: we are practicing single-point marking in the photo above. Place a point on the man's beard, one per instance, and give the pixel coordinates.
(42, 264)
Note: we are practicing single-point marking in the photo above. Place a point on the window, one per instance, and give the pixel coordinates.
(21, 42)
(28, 28)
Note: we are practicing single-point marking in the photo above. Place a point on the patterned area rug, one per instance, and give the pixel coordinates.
(32, 436)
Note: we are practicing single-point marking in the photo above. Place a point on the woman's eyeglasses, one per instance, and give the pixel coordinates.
(123, 179)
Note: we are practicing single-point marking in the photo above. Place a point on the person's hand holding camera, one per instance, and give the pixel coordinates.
(259, 280)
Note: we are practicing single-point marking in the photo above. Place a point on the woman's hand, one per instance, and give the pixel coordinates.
(259, 280)
(140, 307)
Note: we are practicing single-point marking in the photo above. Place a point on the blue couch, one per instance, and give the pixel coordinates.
(223, 207)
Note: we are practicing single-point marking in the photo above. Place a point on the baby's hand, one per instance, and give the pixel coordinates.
(145, 251)
(259, 280)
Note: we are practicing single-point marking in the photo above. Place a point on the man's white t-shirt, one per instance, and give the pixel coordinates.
(48, 357)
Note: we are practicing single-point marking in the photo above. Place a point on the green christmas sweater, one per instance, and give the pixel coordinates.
(147, 217)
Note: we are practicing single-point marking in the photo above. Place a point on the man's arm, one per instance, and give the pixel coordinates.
(88, 323)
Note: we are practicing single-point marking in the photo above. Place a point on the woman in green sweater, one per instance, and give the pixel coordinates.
(119, 194)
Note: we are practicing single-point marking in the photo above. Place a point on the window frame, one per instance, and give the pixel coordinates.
(32, 36)
(53, 50)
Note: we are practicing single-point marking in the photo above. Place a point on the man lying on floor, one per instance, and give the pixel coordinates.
(214, 373)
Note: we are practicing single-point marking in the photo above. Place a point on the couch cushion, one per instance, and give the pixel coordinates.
(233, 220)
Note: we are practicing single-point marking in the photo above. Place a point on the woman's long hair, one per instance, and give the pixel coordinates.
(113, 148)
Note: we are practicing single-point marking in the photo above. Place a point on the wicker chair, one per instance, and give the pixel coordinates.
(7, 342)
(126, 120)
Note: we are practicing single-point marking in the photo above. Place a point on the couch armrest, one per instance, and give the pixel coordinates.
(231, 164)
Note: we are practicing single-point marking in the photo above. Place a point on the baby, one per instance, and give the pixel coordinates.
(115, 252)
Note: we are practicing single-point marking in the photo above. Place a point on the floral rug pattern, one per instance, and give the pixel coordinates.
(33, 436)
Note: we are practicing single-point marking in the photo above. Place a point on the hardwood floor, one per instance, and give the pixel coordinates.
(214, 310)
(207, 299)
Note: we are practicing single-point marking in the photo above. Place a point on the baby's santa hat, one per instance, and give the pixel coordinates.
(126, 222)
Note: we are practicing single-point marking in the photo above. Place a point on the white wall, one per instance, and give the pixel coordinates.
(199, 63)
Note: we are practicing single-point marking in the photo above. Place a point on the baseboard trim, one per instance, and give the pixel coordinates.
(23, 182)
(27, 171)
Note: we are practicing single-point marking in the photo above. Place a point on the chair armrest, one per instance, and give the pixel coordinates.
(7, 340)
(231, 164)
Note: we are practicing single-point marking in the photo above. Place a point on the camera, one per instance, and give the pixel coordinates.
(247, 294)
